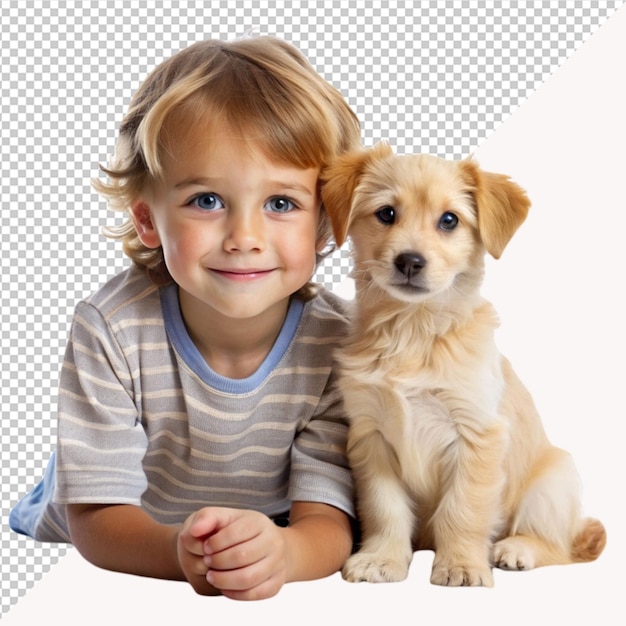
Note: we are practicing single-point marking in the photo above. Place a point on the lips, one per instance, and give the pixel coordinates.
(241, 274)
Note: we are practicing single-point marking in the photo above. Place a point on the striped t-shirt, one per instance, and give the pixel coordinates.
(143, 420)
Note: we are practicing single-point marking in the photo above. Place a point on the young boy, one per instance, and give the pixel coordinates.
(200, 434)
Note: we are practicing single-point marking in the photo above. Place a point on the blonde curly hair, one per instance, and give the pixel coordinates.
(261, 86)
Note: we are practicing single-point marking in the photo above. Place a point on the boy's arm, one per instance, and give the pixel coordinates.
(124, 538)
(245, 555)
(319, 539)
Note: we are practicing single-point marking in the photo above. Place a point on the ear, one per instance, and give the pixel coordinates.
(340, 179)
(142, 220)
(501, 205)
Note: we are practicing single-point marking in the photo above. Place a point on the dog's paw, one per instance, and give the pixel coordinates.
(374, 568)
(513, 553)
(458, 575)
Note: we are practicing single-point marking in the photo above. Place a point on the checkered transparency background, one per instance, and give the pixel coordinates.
(433, 77)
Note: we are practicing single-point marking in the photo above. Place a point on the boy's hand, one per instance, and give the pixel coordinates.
(240, 553)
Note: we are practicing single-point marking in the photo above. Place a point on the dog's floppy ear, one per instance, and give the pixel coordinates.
(502, 206)
(340, 179)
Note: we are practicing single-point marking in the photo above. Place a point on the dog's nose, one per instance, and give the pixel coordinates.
(409, 264)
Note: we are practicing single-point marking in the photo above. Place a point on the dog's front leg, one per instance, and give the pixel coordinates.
(468, 510)
(385, 509)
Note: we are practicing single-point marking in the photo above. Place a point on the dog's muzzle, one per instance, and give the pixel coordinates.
(410, 264)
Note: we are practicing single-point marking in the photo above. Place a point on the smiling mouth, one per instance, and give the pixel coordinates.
(241, 275)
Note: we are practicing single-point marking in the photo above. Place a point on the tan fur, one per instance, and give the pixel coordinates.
(446, 446)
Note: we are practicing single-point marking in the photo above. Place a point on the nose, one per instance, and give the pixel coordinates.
(244, 231)
(409, 263)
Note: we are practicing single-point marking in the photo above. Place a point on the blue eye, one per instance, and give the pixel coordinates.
(207, 202)
(448, 221)
(279, 204)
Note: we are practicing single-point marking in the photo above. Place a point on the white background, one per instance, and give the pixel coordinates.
(559, 289)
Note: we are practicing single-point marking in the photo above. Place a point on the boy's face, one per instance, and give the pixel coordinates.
(238, 231)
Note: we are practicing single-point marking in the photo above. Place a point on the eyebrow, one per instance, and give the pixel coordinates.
(210, 182)
(200, 182)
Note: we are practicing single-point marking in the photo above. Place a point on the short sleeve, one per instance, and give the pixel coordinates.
(319, 466)
(101, 441)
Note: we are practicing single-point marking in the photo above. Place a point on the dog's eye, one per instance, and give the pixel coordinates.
(386, 215)
(448, 221)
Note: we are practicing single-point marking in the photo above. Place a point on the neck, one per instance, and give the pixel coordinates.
(234, 348)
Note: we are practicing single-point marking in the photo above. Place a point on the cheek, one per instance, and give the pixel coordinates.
(453, 254)
(302, 241)
(300, 252)
(463, 247)
(181, 244)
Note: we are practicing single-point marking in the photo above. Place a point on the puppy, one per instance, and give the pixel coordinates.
(447, 449)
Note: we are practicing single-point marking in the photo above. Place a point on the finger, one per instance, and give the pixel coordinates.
(188, 542)
(242, 579)
(195, 566)
(238, 556)
(191, 543)
(247, 527)
(191, 555)
(266, 589)
(202, 524)
(209, 520)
